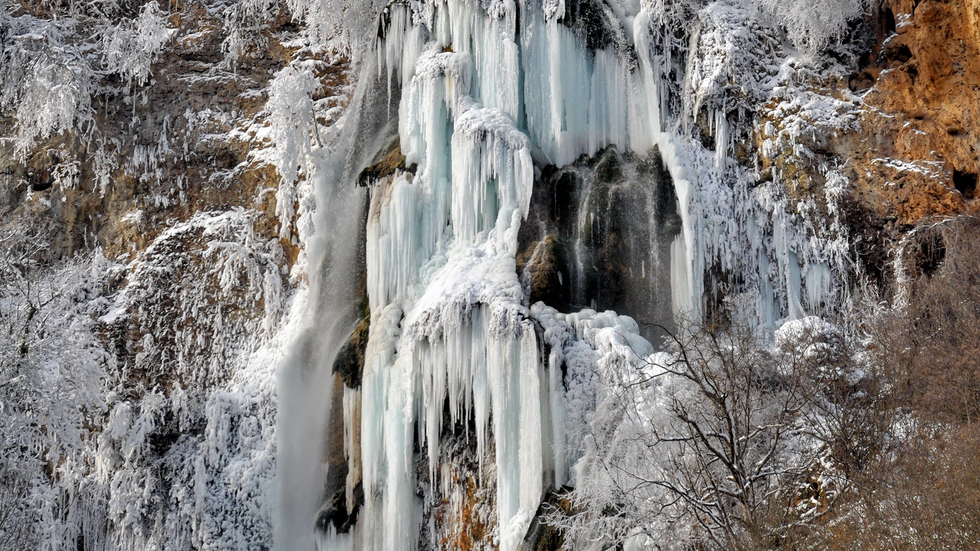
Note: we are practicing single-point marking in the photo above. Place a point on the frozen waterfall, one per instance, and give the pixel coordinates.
(488, 94)
(487, 91)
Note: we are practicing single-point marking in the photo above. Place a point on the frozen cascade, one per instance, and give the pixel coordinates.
(449, 325)
(487, 94)
(448, 320)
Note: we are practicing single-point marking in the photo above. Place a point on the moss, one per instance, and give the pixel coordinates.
(390, 161)
(349, 363)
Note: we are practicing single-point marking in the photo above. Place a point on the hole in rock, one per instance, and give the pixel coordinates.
(889, 21)
(898, 54)
(965, 183)
(932, 252)
(913, 73)
(41, 181)
(861, 82)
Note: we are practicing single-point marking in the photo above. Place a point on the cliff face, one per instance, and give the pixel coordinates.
(160, 174)
(917, 154)
(159, 180)
(185, 138)
(908, 146)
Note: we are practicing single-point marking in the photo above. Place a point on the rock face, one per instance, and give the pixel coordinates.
(901, 126)
(164, 179)
(165, 150)
(917, 153)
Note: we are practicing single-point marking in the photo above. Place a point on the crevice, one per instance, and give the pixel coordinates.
(965, 183)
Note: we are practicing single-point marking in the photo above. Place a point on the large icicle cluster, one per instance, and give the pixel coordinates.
(450, 327)
(448, 321)
(491, 92)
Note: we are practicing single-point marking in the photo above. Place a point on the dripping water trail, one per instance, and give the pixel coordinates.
(306, 382)
(308, 389)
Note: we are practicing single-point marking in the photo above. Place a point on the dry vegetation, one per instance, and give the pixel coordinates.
(907, 440)
(921, 489)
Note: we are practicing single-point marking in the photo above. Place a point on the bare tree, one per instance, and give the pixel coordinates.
(709, 444)
(862, 436)
(930, 343)
(20, 386)
(909, 444)
(741, 451)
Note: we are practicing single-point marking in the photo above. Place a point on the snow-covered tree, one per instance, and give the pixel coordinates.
(812, 26)
(52, 374)
(706, 444)
(133, 45)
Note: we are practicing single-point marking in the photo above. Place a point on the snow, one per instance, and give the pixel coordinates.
(131, 48)
(811, 29)
(811, 338)
(294, 134)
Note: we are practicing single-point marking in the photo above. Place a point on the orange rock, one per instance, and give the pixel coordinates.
(918, 153)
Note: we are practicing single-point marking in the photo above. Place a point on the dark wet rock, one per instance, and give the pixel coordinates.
(349, 363)
(337, 510)
(590, 22)
(386, 163)
(598, 236)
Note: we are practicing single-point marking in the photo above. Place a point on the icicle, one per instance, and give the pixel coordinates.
(492, 176)
(721, 139)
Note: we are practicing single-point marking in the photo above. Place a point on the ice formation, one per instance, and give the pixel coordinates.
(490, 93)
(487, 98)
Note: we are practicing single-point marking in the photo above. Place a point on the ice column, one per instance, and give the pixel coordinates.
(448, 324)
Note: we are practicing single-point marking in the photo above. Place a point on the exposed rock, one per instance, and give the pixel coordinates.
(900, 127)
(339, 510)
(170, 187)
(171, 156)
(917, 153)
(542, 536)
(591, 20)
(180, 144)
(542, 267)
(349, 363)
(390, 160)
(462, 500)
(588, 241)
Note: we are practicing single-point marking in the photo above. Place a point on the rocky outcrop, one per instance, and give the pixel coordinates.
(174, 182)
(170, 185)
(900, 127)
(917, 153)
(183, 142)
